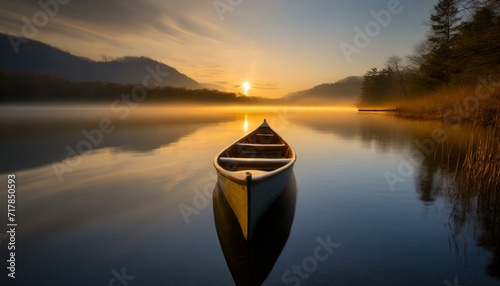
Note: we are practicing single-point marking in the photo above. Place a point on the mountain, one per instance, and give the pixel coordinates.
(41, 58)
(345, 91)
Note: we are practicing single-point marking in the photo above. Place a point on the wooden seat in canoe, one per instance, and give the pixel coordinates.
(278, 146)
(253, 162)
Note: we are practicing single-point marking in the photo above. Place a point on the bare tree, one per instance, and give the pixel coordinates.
(420, 52)
(398, 68)
(467, 8)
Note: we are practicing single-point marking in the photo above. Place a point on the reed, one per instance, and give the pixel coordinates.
(475, 190)
(480, 167)
(452, 104)
(474, 193)
(470, 159)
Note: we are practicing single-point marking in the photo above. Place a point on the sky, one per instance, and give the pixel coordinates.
(278, 46)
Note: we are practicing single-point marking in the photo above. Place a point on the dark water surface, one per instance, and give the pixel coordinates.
(136, 202)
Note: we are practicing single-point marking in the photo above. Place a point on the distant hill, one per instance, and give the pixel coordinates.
(35, 56)
(345, 91)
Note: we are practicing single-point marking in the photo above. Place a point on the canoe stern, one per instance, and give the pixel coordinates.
(251, 199)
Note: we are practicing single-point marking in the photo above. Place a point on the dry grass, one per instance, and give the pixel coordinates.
(475, 192)
(476, 187)
(480, 168)
(477, 170)
(454, 105)
(473, 160)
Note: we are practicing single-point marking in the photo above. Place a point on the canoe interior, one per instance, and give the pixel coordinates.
(263, 143)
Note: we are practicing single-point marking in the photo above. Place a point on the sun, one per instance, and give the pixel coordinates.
(246, 87)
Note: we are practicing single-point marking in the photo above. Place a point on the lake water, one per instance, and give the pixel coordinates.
(137, 203)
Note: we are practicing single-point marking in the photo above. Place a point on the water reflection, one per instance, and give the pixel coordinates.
(429, 180)
(251, 262)
(245, 124)
(432, 169)
(387, 133)
(478, 213)
(34, 139)
(140, 175)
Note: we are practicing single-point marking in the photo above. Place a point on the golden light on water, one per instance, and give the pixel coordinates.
(246, 87)
(245, 124)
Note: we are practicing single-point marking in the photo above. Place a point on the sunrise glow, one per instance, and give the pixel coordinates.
(246, 87)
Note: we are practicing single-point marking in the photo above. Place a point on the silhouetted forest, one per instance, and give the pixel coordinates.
(461, 49)
(22, 87)
(28, 87)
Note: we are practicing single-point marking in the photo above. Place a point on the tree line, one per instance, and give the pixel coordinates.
(462, 46)
(28, 87)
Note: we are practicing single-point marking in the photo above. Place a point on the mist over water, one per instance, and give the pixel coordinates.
(116, 205)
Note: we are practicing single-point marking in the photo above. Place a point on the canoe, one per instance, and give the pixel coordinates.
(252, 172)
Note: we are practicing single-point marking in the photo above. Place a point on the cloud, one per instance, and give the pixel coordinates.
(178, 31)
(171, 20)
(266, 86)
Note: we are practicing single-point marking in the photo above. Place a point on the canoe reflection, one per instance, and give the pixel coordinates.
(250, 262)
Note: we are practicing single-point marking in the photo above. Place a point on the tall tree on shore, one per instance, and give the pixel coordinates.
(478, 44)
(440, 64)
(444, 22)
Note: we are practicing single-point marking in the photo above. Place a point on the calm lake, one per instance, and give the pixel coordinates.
(129, 197)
